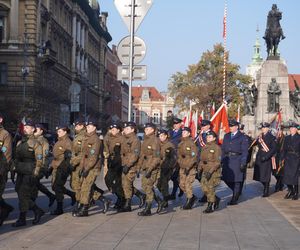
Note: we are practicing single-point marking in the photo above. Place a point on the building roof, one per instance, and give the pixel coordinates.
(154, 94)
(294, 79)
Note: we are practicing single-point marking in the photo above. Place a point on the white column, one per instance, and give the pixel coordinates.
(78, 32)
(82, 36)
(14, 21)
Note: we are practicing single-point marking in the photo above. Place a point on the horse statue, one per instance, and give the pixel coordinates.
(273, 33)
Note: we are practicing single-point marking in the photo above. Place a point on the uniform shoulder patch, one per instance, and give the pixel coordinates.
(3, 149)
(92, 151)
(193, 154)
(39, 157)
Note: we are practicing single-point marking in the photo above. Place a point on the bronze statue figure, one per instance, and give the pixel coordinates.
(273, 33)
(273, 96)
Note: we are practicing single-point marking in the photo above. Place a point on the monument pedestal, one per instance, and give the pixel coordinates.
(249, 122)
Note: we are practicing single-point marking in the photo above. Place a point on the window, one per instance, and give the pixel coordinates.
(3, 73)
(1, 28)
(156, 118)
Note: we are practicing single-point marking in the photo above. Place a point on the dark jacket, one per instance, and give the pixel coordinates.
(175, 136)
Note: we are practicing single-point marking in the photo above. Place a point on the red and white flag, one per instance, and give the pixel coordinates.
(238, 113)
(220, 122)
(194, 124)
(212, 110)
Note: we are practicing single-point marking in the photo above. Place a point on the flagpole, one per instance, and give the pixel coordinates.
(224, 45)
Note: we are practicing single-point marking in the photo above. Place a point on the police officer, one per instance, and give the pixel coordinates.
(175, 138)
(39, 135)
(264, 163)
(291, 159)
(210, 167)
(234, 160)
(168, 161)
(5, 161)
(112, 156)
(187, 160)
(149, 164)
(130, 151)
(201, 143)
(77, 144)
(89, 165)
(60, 167)
(29, 161)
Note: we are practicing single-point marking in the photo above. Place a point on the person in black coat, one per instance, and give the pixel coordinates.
(265, 157)
(291, 160)
(234, 159)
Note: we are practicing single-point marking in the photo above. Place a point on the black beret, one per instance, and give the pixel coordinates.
(205, 122)
(186, 129)
(129, 124)
(233, 123)
(149, 125)
(176, 120)
(115, 125)
(79, 121)
(62, 126)
(265, 125)
(162, 131)
(211, 133)
(41, 126)
(91, 121)
(29, 122)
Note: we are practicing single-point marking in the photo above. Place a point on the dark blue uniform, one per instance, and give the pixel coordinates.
(175, 136)
(234, 155)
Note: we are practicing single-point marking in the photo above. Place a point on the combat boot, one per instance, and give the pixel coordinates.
(141, 197)
(189, 204)
(72, 196)
(59, 209)
(75, 209)
(6, 209)
(159, 203)
(266, 189)
(296, 193)
(164, 203)
(38, 213)
(217, 203)
(118, 203)
(21, 221)
(147, 210)
(127, 206)
(209, 208)
(290, 192)
(83, 212)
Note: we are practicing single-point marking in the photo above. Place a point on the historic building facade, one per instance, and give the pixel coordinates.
(150, 105)
(52, 59)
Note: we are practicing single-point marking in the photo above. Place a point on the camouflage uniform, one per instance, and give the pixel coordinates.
(210, 163)
(75, 161)
(187, 160)
(5, 160)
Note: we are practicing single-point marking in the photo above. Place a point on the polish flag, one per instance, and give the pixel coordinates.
(220, 122)
(194, 124)
(212, 110)
(238, 113)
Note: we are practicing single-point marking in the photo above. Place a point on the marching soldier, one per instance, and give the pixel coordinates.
(29, 161)
(175, 138)
(149, 163)
(291, 161)
(187, 160)
(39, 135)
(210, 169)
(112, 157)
(167, 163)
(130, 151)
(60, 167)
(89, 166)
(77, 155)
(234, 160)
(265, 157)
(5, 161)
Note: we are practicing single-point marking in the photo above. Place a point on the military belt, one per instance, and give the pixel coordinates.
(233, 154)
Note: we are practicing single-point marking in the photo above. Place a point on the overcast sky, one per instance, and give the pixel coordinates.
(177, 32)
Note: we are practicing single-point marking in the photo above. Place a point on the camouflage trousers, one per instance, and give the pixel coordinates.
(163, 181)
(3, 180)
(26, 186)
(59, 179)
(127, 183)
(148, 185)
(113, 181)
(86, 191)
(186, 181)
(208, 187)
(76, 182)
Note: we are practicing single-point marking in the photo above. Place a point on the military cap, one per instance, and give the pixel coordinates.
(41, 126)
(91, 121)
(149, 125)
(79, 121)
(186, 129)
(62, 126)
(265, 125)
(162, 131)
(293, 125)
(29, 122)
(129, 124)
(211, 133)
(205, 122)
(242, 126)
(176, 120)
(115, 125)
(233, 123)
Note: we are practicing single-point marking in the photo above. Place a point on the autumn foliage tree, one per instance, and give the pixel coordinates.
(202, 82)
